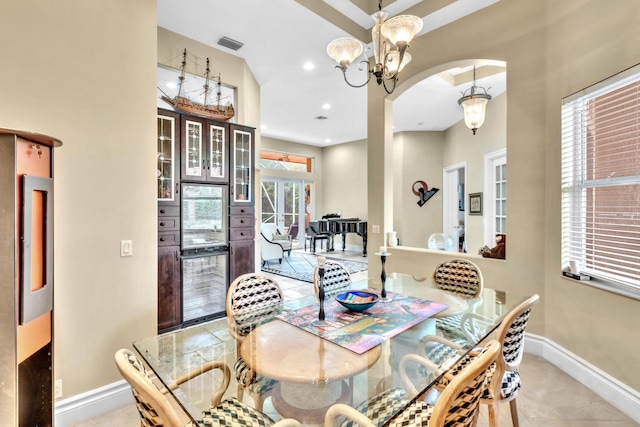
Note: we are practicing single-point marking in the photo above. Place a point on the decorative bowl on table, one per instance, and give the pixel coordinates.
(357, 300)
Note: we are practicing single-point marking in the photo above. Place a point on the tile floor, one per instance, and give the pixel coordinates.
(549, 397)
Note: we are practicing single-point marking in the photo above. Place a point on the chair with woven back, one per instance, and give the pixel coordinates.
(457, 406)
(157, 409)
(252, 299)
(336, 279)
(461, 278)
(503, 379)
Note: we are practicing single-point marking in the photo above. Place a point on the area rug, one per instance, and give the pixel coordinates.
(300, 266)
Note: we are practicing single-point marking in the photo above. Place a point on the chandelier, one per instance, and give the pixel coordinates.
(391, 39)
(474, 104)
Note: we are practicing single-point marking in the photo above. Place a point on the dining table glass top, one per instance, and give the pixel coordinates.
(312, 372)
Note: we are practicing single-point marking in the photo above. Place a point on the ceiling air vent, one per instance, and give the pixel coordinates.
(229, 43)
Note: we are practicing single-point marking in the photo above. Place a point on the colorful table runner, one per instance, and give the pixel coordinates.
(361, 331)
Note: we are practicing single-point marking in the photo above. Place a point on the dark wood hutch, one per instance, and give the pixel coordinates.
(200, 153)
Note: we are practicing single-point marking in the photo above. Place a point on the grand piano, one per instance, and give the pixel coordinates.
(332, 224)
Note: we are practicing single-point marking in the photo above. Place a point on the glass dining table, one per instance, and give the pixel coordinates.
(314, 369)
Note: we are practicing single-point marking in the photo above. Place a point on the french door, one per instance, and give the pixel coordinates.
(283, 203)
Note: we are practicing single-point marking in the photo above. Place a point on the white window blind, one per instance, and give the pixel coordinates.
(601, 181)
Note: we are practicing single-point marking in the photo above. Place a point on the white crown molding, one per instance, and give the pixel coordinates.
(97, 402)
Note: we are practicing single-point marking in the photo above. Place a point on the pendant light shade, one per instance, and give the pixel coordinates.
(474, 105)
(402, 29)
(344, 50)
(474, 109)
(393, 62)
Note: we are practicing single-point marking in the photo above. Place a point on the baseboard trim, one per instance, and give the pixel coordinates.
(92, 404)
(619, 395)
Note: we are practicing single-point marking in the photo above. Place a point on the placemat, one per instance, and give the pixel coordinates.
(361, 331)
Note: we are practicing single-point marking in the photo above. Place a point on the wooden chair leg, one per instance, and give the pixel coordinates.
(259, 401)
(494, 412)
(240, 392)
(514, 413)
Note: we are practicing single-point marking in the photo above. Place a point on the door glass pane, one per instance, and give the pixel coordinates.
(217, 150)
(204, 215)
(194, 149)
(269, 198)
(204, 284)
(166, 156)
(291, 203)
(242, 162)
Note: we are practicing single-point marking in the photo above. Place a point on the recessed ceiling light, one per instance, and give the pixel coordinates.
(263, 127)
(326, 106)
(327, 140)
(309, 66)
(172, 85)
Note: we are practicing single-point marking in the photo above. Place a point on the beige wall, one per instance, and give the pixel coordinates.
(345, 183)
(84, 72)
(417, 156)
(551, 51)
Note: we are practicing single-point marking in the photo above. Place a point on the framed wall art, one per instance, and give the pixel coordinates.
(475, 204)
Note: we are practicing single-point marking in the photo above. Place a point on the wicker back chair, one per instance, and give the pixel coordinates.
(460, 277)
(336, 279)
(504, 380)
(152, 403)
(457, 406)
(157, 410)
(252, 299)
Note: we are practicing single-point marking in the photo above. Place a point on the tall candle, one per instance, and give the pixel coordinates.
(321, 260)
(383, 249)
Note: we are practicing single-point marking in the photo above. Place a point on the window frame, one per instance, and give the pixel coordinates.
(491, 161)
(575, 184)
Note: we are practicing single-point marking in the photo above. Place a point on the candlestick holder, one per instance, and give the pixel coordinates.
(321, 318)
(321, 292)
(383, 277)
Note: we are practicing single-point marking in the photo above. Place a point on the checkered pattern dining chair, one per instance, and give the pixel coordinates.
(156, 409)
(252, 299)
(336, 279)
(457, 406)
(462, 278)
(504, 378)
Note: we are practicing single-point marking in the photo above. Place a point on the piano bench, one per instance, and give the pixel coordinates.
(312, 242)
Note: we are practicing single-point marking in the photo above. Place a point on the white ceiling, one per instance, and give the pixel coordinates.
(280, 36)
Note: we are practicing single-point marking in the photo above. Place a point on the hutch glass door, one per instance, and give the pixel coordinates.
(242, 174)
(166, 158)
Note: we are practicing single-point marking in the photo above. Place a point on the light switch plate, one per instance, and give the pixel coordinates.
(126, 248)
